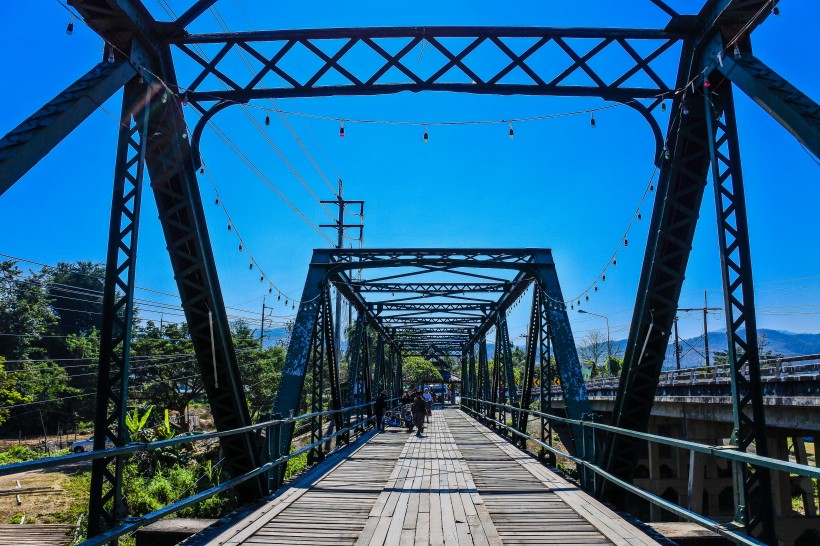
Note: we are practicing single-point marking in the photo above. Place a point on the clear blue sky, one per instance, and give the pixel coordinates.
(558, 184)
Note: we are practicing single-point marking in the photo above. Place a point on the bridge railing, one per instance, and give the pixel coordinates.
(588, 467)
(794, 368)
(272, 461)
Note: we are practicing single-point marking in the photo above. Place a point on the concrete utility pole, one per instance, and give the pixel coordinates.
(340, 228)
(705, 309)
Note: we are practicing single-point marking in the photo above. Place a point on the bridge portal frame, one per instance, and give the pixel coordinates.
(142, 50)
(311, 355)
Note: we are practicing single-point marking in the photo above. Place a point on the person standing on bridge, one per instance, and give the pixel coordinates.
(419, 413)
(379, 408)
(428, 404)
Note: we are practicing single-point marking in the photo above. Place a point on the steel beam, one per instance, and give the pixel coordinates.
(795, 111)
(129, 27)
(295, 369)
(753, 483)
(680, 189)
(106, 507)
(32, 140)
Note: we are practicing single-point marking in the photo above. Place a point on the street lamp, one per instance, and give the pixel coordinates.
(608, 343)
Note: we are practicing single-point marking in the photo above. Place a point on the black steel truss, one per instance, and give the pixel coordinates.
(754, 482)
(106, 507)
(455, 69)
(144, 46)
(449, 326)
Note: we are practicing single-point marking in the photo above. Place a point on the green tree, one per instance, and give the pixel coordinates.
(75, 292)
(418, 370)
(25, 313)
(261, 369)
(9, 392)
(165, 372)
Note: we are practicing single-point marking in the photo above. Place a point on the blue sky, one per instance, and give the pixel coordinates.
(558, 184)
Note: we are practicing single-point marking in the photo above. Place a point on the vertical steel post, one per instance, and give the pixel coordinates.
(106, 506)
(753, 483)
(529, 366)
(484, 367)
(472, 382)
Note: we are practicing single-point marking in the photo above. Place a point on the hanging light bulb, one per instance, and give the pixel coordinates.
(706, 83)
(267, 119)
(651, 187)
(70, 28)
(592, 120)
(579, 302)
(184, 136)
(279, 297)
(262, 278)
(286, 302)
(614, 262)
(512, 133)
(626, 241)
(663, 105)
(426, 136)
(665, 152)
(270, 290)
(293, 306)
(202, 170)
(639, 215)
(185, 99)
(603, 277)
(341, 129)
(250, 265)
(736, 52)
(229, 227)
(216, 201)
(587, 297)
(110, 54)
(685, 109)
(775, 11)
(596, 288)
(240, 247)
(572, 307)
(164, 97)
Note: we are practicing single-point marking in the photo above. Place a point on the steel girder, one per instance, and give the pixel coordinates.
(129, 27)
(799, 114)
(440, 326)
(533, 346)
(519, 76)
(680, 191)
(753, 483)
(33, 139)
(106, 507)
(430, 288)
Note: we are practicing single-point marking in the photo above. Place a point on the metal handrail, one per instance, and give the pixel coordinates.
(132, 524)
(718, 451)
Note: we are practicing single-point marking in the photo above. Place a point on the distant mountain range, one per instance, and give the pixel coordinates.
(778, 342)
(692, 349)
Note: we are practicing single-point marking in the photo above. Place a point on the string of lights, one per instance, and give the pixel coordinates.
(684, 90)
(220, 19)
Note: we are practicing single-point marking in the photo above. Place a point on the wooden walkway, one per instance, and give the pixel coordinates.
(459, 484)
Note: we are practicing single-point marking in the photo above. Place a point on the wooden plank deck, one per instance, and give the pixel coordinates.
(460, 484)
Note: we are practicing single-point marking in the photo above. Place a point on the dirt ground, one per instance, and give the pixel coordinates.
(37, 506)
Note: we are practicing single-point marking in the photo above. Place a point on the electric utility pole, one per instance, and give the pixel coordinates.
(262, 328)
(705, 309)
(340, 228)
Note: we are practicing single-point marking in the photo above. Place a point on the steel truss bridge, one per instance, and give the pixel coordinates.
(441, 300)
